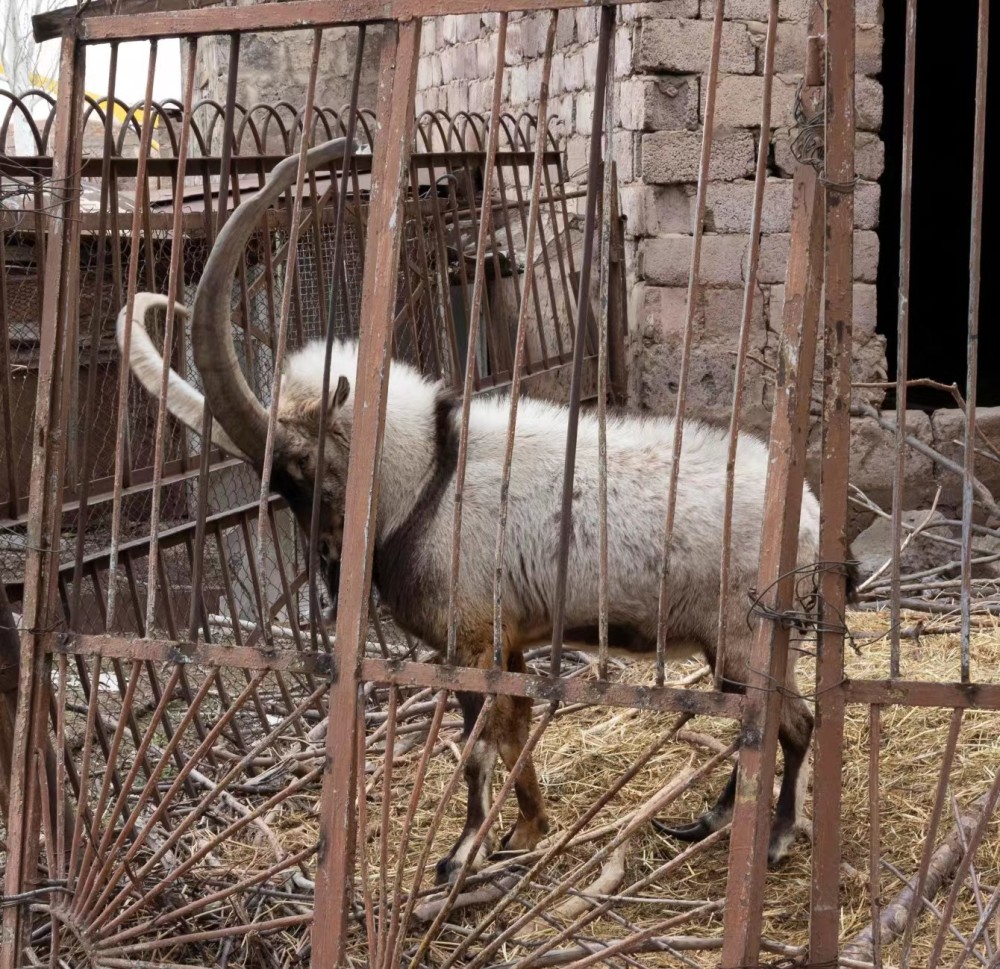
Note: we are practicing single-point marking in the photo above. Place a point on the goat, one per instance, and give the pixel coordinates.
(411, 568)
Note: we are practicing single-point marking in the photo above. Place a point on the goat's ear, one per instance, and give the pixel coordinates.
(341, 393)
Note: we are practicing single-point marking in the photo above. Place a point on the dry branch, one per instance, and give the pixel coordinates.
(484, 895)
(611, 876)
(895, 915)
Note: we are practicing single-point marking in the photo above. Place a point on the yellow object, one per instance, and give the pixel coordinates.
(48, 85)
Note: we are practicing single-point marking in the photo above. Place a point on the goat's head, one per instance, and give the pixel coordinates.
(294, 473)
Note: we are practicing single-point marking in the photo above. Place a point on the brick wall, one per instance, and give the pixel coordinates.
(662, 50)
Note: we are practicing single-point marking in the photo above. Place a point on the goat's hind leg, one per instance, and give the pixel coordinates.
(479, 781)
(721, 813)
(512, 717)
(712, 820)
(794, 735)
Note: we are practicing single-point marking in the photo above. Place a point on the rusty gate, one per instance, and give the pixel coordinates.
(203, 771)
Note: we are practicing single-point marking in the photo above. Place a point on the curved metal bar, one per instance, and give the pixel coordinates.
(17, 104)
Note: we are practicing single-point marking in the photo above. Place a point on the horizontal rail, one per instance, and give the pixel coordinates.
(914, 693)
(982, 696)
(594, 693)
(52, 23)
(124, 166)
(142, 482)
(409, 673)
(167, 538)
(297, 14)
(198, 654)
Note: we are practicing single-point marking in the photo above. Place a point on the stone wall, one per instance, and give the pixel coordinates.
(661, 55)
(274, 67)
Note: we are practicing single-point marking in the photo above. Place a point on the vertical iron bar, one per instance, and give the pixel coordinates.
(824, 921)
(902, 330)
(62, 261)
(121, 454)
(517, 365)
(289, 287)
(470, 356)
(393, 142)
(692, 297)
(7, 449)
(944, 775)
(382, 934)
(972, 340)
(749, 288)
(768, 661)
(988, 804)
(582, 310)
(338, 235)
(173, 284)
(225, 174)
(875, 830)
(609, 190)
(87, 455)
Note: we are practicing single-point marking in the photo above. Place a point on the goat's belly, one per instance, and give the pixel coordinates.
(677, 650)
(623, 641)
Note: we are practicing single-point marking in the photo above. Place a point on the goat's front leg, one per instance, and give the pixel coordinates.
(479, 781)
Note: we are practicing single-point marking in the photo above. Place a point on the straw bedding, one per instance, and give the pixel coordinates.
(584, 751)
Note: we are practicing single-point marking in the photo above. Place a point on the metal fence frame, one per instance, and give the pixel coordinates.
(821, 260)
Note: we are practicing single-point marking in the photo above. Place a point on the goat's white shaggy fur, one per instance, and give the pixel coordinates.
(639, 460)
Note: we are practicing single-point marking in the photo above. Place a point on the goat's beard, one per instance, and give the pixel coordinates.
(332, 577)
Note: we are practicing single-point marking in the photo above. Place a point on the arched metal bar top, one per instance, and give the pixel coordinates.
(260, 128)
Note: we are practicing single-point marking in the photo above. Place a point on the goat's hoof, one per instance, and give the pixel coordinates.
(445, 870)
(524, 836)
(782, 839)
(696, 831)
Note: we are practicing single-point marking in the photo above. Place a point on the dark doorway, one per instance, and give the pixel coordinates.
(942, 199)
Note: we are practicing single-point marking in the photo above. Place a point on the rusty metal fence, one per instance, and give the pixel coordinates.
(203, 771)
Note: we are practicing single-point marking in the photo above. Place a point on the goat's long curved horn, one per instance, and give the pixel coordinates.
(184, 402)
(233, 403)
